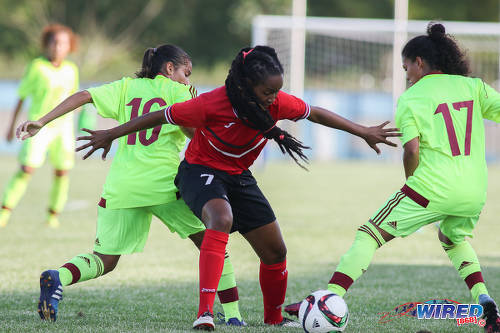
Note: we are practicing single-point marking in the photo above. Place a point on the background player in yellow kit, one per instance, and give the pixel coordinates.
(48, 80)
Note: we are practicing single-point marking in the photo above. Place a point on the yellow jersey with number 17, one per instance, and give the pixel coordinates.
(446, 113)
(146, 162)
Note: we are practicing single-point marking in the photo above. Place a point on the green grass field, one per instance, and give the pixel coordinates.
(319, 212)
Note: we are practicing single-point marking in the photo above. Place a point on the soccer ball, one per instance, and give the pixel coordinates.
(323, 312)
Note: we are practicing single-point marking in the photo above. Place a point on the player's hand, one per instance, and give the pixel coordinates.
(378, 134)
(97, 140)
(28, 127)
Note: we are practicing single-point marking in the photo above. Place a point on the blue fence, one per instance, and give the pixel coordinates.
(368, 108)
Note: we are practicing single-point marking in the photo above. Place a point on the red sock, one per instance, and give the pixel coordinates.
(273, 280)
(213, 249)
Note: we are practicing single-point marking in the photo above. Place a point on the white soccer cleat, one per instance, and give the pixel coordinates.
(205, 322)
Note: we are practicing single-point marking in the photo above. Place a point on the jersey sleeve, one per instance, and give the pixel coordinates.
(28, 82)
(291, 107)
(490, 102)
(406, 123)
(191, 113)
(106, 98)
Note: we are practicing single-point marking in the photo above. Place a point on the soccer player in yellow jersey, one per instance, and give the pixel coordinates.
(441, 120)
(140, 182)
(48, 80)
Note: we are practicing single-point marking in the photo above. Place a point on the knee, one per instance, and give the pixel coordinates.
(445, 241)
(109, 262)
(223, 222)
(280, 254)
(275, 255)
(218, 216)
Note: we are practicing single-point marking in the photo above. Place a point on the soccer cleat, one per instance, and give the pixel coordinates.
(231, 321)
(50, 295)
(235, 322)
(490, 314)
(293, 309)
(4, 217)
(288, 323)
(205, 322)
(53, 221)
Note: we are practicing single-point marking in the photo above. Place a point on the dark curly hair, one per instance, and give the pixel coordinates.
(155, 58)
(251, 67)
(49, 31)
(439, 50)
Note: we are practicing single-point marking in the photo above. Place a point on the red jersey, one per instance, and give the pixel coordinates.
(221, 140)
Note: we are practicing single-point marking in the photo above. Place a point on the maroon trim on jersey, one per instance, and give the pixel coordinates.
(102, 203)
(5, 207)
(228, 295)
(413, 195)
(193, 92)
(473, 278)
(75, 272)
(342, 280)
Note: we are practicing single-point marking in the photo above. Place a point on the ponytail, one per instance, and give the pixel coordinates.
(155, 58)
(439, 50)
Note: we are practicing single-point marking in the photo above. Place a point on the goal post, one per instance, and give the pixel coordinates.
(349, 62)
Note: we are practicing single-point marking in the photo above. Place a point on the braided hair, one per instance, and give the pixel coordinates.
(439, 50)
(155, 58)
(251, 67)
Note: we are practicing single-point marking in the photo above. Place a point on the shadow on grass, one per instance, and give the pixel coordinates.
(172, 305)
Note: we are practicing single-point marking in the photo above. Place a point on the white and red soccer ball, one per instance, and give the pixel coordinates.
(323, 312)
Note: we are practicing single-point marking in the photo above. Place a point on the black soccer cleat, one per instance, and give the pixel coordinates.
(490, 314)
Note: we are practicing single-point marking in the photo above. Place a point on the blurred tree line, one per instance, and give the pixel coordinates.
(115, 33)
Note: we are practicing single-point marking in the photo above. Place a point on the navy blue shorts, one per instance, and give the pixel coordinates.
(199, 184)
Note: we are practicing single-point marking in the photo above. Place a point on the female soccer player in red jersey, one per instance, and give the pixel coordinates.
(129, 200)
(233, 123)
(441, 120)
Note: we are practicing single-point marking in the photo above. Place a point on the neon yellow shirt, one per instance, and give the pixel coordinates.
(446, 112)
(47, 86)
(145, 164)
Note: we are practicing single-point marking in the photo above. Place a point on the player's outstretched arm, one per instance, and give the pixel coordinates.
(372, 135)
(10, 131)
(69, 104)
(104, 138)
